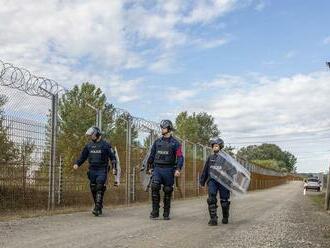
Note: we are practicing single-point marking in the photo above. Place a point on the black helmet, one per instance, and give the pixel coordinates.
(217, 141)
(167, 124)
(93, 130)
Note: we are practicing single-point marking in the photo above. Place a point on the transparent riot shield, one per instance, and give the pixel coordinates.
(117, 176)
(230, 173)
(145, 178)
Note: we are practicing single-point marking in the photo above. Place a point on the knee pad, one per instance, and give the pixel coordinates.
(212, 199)
(155, 186)
(168, 189)
(93, 187)
(225, 204)
(99, 187)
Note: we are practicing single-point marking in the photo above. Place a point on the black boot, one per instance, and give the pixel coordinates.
(155, 197)
(225, 211)
(103, 191)
(98, 206)
(212, 202)
(167, 201)
(93, 191)
(99, 200)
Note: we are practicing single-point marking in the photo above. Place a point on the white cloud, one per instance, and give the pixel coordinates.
(124, 90)
(227, 81)
(207, 43)
(163, 64)
(73, 30)
(272, 110)
(326, 40)
(59, 38)
(177, 94)
(206, 11)
(296, 103)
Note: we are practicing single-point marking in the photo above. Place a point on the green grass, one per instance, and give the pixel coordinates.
(318, 199)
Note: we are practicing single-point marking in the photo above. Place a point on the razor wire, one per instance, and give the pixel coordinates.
(139, 123)
(23, 80)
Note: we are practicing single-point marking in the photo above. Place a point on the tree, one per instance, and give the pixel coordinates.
(76, 118)
(271, 154)
(119, 131)
(8, 150)
(229, 150)
(290, 161)
(197, 128)
(207, 128)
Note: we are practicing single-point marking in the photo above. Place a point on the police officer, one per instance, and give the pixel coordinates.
(165, 162)
(98, 152)
(214, 187)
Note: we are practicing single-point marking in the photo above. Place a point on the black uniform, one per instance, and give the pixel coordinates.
(213, 188)
(98, 154)
(165, 157)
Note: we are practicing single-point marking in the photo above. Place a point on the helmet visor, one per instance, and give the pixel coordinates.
(90, 131)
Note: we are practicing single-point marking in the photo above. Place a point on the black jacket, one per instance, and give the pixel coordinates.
(98, 155)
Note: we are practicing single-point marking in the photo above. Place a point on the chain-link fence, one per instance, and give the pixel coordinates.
(36, 155)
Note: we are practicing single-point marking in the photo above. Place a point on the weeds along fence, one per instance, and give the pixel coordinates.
(36, 157)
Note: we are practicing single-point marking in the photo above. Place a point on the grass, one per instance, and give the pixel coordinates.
(318, 199)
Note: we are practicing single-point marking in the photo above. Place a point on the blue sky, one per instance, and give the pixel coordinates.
(258, 66)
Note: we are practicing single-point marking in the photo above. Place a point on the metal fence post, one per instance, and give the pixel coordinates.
(54, 144)
(133, 184)
(60, 176)
(184, 168)
(204, 154)
(198, 184)
(128, 160)
(195, 168)
(99, 119)
(51, 171)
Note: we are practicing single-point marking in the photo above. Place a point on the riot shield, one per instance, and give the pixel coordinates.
(145, 178)
(230, 173)
(117, 176)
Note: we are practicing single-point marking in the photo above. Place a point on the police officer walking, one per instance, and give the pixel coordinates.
(98, 152)
(164, 163)
(214, 187)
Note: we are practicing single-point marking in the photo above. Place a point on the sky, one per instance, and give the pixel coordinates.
(258, 66)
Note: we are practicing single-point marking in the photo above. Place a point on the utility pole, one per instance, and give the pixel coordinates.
(327, 195)
(98, 111)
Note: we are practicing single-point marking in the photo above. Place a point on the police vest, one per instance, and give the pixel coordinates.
(97, 156)
(216, 166)
(215, 161)
(165, 154)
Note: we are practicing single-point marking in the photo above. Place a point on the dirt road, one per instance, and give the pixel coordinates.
(277, 217)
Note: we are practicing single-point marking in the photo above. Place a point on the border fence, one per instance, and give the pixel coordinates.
(35, 175)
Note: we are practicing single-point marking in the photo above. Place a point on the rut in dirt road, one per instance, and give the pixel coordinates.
(276, 217)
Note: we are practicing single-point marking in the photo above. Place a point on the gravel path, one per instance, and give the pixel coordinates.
(277, 217)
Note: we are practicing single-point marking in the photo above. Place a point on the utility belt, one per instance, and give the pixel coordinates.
(165, 165)
(99, 167)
